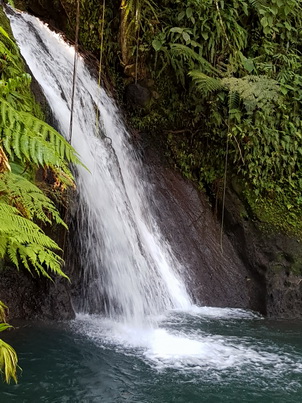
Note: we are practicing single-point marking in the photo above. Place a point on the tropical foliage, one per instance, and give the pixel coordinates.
(249, 50)
(27, 146)
(230, 72)
(8, 356)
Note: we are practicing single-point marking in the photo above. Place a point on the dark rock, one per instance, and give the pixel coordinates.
(216, 276)
(137, 96)
(274, 258)
(251, 270)
(29, 297)
(50, 12)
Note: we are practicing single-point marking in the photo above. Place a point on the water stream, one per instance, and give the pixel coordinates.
(123, 254)
(137, 336)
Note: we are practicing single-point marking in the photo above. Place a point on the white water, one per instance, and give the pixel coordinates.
(124, 255)
(180, 343)
(125, 258)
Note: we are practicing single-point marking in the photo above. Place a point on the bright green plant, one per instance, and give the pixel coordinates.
(8, 356)
(203, 34)
(27, 144)
(245, 60)
(21, 240)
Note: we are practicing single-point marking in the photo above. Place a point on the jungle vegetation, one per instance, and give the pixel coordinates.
(226, 105)
(228, 82)
(31, 152)
(8, 356)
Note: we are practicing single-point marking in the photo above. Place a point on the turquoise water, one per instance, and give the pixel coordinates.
(211, 355)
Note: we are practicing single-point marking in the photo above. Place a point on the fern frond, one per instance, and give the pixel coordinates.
(255, 91)
(25, 242)
(33, 140)
(191, 56)
(12, 84)
(4, 37)
(8, 361)
(9, 57)
(206, 84)
(30, 142)
(61, 146)
(233, 100)
(31, 202)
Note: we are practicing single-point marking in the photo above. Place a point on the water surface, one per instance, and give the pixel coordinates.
(210, 355)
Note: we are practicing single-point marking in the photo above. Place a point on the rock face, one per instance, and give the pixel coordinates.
(248, 269)
(50, 12)
(34, 297)
(252, 270)
(276, 258)
(216, 275)
(136, 95)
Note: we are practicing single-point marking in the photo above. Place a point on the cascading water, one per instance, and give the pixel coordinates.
(126, 261)
(128, 264)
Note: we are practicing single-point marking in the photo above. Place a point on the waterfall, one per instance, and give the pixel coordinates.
(129, 268)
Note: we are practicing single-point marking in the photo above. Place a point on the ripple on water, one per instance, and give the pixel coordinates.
(179, 344)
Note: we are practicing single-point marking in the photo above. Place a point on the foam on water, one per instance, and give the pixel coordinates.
(149, 312)
(206, 311)
(177, 343)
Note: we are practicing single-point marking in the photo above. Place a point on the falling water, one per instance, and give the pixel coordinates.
(129, 269)
(131, 273)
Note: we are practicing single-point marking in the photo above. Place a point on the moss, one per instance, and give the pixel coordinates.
(274, 214)
(296, 268)
(4, 22)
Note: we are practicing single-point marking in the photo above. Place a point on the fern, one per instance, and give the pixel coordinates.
(10, 54)
(9, 86)
(8, 358)
(23, 241)
(31, 143)
(5, 39)
(192, 57)
(206, 84)
(233, 100)
(255, 92)
(31, 139)
(31, 202)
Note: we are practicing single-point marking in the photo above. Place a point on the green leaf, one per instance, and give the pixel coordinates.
(4, 326)
(186, 36)
(157, 44)
(177, 29)
(248, 64)
(181, 15)
(189, 12)
(205, 35)
(264, 22)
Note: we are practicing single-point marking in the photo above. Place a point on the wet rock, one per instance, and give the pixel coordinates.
(29, 297)
(215, 274)
(252, 270)
(137, 95)
(275, 258)
(54, 14)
